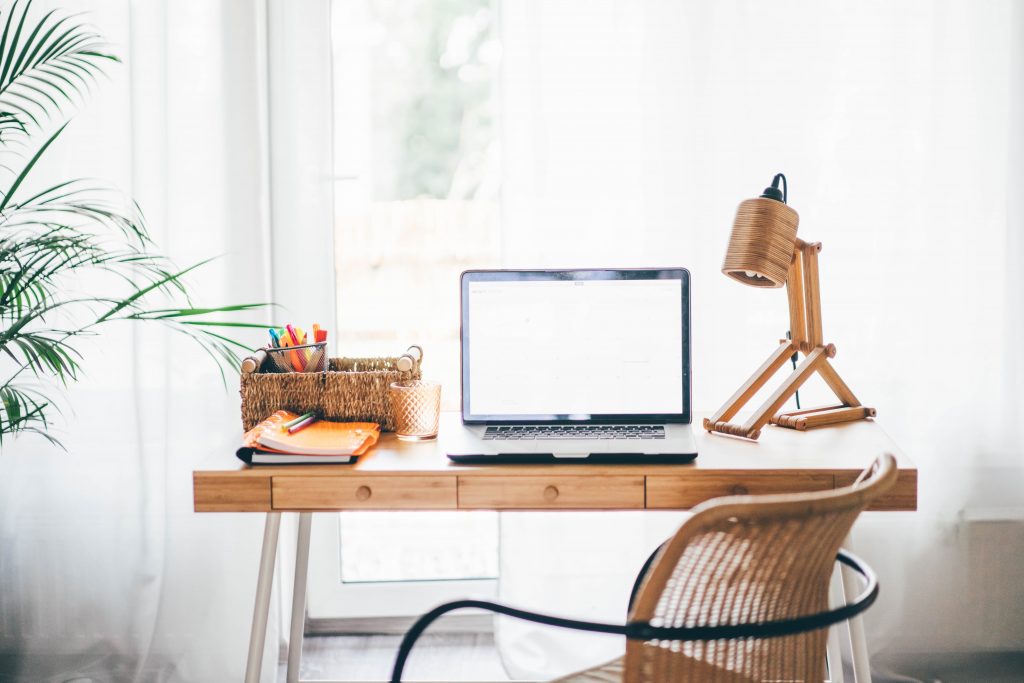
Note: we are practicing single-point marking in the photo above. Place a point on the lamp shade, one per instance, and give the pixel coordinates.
(762, 243)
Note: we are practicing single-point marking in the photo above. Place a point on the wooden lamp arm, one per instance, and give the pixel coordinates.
(797, 309)
(812, 293)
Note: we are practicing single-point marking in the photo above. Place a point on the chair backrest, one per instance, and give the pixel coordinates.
(747, 559)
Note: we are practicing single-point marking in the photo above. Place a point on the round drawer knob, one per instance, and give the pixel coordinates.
(550, 493)
(739, 490)
(363, 493)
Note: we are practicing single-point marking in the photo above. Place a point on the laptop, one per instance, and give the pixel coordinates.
(575, 366)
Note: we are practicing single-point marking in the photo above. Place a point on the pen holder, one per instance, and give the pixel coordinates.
(348, 389)
(302, 358)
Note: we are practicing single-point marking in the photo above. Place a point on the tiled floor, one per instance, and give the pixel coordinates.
(964, 667)
(473, 657)
(456, 657)
(440, 657)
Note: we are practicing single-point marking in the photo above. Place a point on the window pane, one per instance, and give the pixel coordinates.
(416, 200)
(417, 546)
(416, 149)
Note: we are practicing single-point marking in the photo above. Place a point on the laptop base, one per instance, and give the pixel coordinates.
(592, 459)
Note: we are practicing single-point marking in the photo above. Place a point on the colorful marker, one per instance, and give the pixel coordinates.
(297, 420)
(302, 425)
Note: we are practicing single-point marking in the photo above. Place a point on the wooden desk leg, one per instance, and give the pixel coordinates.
(261, 610)
(858, 641)
(299, 597)
(835, 652)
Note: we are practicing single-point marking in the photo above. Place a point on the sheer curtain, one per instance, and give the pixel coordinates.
(632, 131)
(107, 572)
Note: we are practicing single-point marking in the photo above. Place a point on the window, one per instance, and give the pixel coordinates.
(416, 195)
(417, 171)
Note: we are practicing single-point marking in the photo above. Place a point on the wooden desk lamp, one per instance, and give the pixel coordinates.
(764, 251)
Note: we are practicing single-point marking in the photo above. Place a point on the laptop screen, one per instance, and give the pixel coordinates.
(575, 345)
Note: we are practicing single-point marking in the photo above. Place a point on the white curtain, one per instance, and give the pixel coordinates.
(106, 571)
(632, 131)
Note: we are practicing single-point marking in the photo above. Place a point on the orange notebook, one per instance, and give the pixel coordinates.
(319, 441)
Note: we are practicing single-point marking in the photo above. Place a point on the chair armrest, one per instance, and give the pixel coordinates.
(640, 630)
(641, 575)
(423, 622)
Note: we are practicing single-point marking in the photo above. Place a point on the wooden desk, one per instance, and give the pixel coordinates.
(400, 475)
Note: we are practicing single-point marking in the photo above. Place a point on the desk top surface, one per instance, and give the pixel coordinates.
(418, 475)
(839, 448)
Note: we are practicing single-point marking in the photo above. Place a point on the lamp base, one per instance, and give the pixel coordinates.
(819, 417)
(816, 362)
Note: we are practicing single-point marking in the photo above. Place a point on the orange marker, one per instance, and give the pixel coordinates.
(305, 353)
(293, 356)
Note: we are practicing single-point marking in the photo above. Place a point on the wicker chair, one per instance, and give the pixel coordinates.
(739, 594)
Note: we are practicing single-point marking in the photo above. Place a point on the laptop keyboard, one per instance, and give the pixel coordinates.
(548, 432)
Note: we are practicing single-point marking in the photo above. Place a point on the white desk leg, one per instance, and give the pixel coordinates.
(261, 610)
(834, 651)
(858, 641)
(299, 597)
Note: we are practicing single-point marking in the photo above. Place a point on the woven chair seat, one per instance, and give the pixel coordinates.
(609, 672)
(614, 672)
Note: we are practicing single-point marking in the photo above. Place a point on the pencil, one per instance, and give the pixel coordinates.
(302, 425)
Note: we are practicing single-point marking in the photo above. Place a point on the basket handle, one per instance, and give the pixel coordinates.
(254, 362)
(409, 360)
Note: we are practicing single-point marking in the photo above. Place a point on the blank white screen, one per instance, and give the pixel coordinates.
(580, 347)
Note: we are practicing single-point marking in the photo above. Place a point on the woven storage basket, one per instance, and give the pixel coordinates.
(351, 389)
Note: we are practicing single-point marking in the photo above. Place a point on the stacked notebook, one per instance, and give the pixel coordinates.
(320, 443)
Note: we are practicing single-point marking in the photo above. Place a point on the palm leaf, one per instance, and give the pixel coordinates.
(28, 168)
(23, 409)
(48, 236)
(55, 58)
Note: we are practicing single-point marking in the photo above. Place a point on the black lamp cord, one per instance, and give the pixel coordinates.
(793, 359)
(785, 186)
(773, 192)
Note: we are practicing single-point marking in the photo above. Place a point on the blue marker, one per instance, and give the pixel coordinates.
(275, 338)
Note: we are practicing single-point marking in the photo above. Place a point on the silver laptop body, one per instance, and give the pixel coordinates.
(575, 366)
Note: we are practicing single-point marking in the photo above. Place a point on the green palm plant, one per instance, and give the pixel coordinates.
(51, 239)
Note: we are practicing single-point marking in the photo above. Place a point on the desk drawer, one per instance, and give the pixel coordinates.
(551, 493)
(902, 496)
(685, 491)
(230, 493)
(364, 493)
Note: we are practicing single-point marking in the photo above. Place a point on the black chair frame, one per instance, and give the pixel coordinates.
(642, 631)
